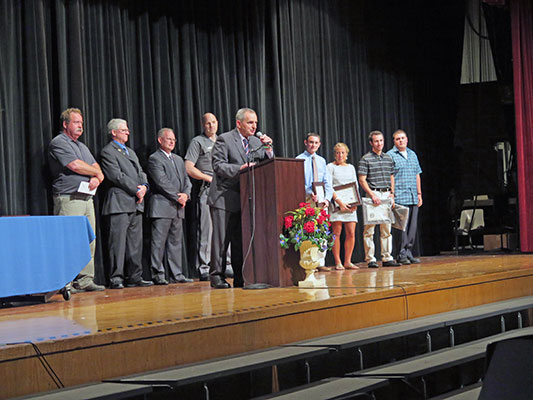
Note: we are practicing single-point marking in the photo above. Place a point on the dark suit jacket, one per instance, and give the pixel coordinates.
(167, 182)
(227, 157)
(123, 173)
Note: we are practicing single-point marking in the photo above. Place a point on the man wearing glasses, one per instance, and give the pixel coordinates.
(171, 189)
(124, 203)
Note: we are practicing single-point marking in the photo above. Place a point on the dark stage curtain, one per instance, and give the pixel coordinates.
(522, 32)
(341, 68)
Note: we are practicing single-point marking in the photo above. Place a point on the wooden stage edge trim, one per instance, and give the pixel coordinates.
(107, 355)
(153, 331)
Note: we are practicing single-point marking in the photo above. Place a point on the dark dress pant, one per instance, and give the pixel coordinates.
(125, 247)
(226, 230)
(167, 245)
(404, 240)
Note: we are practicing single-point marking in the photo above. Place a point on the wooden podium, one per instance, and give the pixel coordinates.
(268, 191)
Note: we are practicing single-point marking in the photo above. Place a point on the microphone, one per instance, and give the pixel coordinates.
(259, 135)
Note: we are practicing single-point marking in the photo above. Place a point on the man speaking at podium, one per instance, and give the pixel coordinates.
(233, 151)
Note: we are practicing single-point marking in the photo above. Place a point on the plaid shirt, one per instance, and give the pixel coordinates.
(405, 172)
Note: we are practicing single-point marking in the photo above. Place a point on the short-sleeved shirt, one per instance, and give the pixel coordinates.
(62, 151)
(405, 172)
(199, 152)
(378, 169)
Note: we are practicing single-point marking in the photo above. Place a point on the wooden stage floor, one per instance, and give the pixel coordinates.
(101, 335)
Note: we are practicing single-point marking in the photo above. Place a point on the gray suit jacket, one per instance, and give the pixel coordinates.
(124, 173)
(227, 157)
(167, 182)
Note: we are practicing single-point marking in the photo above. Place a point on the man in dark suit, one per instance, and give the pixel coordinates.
(171, 188)
(124, 203)
(233, 151)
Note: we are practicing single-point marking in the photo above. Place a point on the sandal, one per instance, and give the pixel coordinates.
(351, 266)
(339, 267)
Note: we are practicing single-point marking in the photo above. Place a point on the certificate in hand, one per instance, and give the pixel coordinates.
(376, 214)
(401, 216)
(348, 193)
(320, 191)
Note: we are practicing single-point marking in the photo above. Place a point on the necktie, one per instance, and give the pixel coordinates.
(174, 162)
(245, 144)
(315, 169)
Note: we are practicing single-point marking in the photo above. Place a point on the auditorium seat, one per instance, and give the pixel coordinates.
(470, 392)
(222, 367)
(98, 391)
(333, 388)
(394, 330)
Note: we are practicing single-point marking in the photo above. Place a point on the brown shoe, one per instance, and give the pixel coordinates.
(324, 269)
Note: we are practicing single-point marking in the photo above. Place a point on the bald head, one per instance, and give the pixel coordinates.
(209, 124)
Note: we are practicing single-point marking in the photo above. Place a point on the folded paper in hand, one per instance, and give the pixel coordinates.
(376, 214)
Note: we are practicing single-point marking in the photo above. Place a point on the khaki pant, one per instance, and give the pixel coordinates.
(64, 205)
(385, 237)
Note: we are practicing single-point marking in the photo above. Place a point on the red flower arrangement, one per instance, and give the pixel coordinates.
(307, 223)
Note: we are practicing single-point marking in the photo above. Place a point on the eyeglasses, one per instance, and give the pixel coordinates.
(123, 130)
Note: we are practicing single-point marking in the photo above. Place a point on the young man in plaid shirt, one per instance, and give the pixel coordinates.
(407, 192)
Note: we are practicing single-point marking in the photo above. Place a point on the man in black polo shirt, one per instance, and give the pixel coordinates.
(376, 177)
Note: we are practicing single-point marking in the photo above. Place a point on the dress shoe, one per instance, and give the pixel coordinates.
(182, 279)
(391, 263)
(141, 283)
(116, 285)
(373, 264)
(414, 260)
(238, 284)
(93, 287)
(404, 261)
(90, 287)
(204, 277)
(229, 272)
(218, 282)
(324, 269)
(159, 281)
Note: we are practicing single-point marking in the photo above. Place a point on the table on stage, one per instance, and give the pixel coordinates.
(41, 254)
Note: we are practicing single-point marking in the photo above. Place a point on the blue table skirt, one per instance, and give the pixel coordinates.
(43, 253)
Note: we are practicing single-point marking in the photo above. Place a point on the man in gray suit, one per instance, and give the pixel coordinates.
(171, 188)
(233, 151)
(124, 203)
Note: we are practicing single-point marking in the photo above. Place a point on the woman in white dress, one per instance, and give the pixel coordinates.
(342, 173)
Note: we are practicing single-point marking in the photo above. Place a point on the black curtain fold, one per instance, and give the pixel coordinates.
(340, 68)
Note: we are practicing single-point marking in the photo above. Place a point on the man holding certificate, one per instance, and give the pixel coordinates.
(76, 176)
(408, 193)
(376, 177)
(318, 187)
